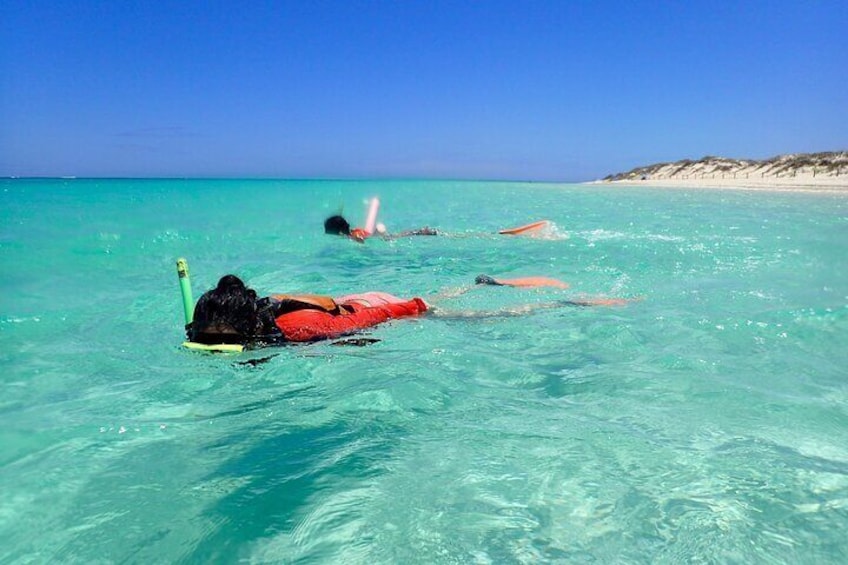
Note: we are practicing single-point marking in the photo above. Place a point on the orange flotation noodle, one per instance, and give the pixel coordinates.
(371, 219)
(527, 229)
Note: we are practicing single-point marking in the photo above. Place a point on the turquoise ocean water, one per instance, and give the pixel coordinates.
(706, 423)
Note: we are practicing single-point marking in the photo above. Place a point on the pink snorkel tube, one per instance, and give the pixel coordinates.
(359, 234)
(371, 219)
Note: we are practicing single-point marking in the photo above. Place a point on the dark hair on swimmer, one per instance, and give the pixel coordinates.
(336, 225)
(225, 314)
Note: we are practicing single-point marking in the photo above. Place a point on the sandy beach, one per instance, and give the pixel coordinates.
(798, 183)
(802, 172)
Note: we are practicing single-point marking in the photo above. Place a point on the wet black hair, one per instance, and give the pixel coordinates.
(336, 225)
(225, 314)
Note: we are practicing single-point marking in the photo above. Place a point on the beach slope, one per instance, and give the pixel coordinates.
(826, 172)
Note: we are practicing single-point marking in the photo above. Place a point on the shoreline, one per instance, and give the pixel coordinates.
(800, 183)
(824, 172)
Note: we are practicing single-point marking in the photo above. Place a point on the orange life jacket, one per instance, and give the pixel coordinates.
(311, 324)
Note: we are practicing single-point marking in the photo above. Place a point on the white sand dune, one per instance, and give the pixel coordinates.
(820, 172)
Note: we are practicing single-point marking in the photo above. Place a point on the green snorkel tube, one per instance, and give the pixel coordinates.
(185, 289)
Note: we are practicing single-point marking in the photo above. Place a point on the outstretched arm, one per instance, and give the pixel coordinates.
(409, 233)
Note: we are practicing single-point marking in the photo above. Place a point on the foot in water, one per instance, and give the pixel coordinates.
(486, 279)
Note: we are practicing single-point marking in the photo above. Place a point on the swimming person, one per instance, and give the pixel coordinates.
(337, 225)
(232, 313)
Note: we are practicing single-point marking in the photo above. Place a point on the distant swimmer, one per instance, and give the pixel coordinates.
(338, 225)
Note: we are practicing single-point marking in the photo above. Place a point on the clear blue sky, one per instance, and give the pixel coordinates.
(535, 89)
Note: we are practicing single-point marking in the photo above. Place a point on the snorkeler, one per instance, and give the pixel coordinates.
(231, 313)
(337, 225)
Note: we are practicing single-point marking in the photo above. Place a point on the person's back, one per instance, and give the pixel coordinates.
(337, 225)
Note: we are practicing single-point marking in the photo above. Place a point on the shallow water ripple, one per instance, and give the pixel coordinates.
(705, 422)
